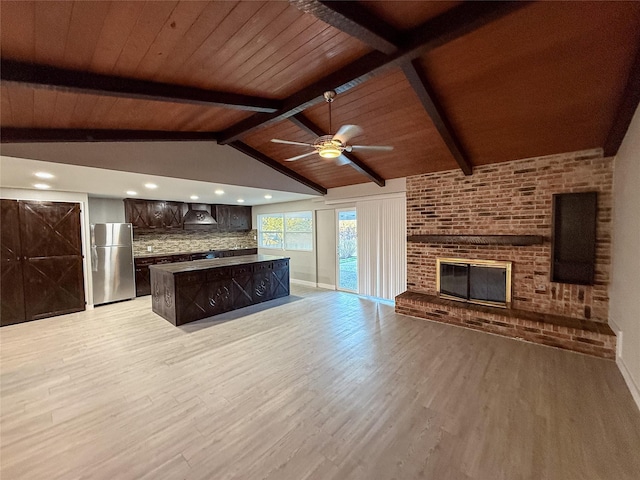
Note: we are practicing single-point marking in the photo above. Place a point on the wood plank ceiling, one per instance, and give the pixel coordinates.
(447, 84)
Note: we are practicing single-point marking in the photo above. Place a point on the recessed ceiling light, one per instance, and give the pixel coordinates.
(131, 192)
(219, 192)
(268, 197)
(44, 175)
(41, 186)
(240, 200)
(151, 185)
(194, 197)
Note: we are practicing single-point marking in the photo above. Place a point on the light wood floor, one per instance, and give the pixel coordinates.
(324, 386)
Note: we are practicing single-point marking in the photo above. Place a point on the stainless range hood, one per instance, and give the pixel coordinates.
(198, 217)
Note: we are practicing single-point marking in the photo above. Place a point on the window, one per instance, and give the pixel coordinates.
(298, 231)
(286, 231)
(270, 230)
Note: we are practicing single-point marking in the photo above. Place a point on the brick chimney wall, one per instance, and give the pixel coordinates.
(513, 198)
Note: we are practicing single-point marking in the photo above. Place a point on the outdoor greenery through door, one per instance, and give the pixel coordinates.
(347, 250)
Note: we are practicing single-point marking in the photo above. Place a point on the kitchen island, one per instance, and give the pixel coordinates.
(188, 291)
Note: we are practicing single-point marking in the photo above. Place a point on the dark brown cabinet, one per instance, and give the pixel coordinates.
(233, 218)
(42, 263)
(173, 213)
(153, 215)
(143, 276)
(189, 293)
(137, 213)
(143, 279)
(239, 218)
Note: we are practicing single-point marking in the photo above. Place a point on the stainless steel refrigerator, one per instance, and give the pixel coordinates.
(112, 262)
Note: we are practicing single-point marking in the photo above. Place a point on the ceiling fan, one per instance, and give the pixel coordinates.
(333, 146)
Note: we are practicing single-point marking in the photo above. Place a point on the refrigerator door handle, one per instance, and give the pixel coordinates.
(94, 258)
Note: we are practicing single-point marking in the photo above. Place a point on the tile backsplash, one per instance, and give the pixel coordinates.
(191, 241)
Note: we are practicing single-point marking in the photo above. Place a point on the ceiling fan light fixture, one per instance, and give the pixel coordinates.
(330, 152)
(327, 147)
(332, 146)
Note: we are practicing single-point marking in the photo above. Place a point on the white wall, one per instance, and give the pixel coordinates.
(82, 199)
(624, 289)
(319, 267)
(200, 161)
(106, 210)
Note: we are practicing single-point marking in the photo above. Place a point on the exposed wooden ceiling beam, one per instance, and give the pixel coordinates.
(270, 162)
(308, 126)
(44, 76)
(354, 20)
(57, 135)
(418, 80)
(452, 24)
(628, 106)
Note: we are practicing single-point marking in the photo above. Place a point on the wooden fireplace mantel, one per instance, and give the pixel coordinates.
(515, 240)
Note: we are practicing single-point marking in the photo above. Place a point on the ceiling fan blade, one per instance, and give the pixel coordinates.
(347, 132)
(292, 159)
(342, 160)
(288, 142)
(379, 148)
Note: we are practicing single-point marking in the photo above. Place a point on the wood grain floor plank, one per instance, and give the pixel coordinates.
(319, 385)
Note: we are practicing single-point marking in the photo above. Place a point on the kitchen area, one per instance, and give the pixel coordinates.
(55, 262)
(169, 232)
(122, 239)
(166, 232)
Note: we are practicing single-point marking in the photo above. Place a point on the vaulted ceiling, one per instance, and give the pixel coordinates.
(447, 84)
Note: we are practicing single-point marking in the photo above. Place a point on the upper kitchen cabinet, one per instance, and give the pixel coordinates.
(153, 214)
(173, 213)
(233, 218)
(156, 215)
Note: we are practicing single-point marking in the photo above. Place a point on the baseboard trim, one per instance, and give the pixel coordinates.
(326, 286)
(302, 282)
(633, 388)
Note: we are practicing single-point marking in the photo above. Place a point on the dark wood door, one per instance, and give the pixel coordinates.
(239, 218)
(222, 217)
(241, 286)
(173, 215)
(52, 258)
(262, 281)
(137, 213)
(219, 292)
(155, 214)
(143, 277)
(192, 299)
(280, 279)
(11, 281)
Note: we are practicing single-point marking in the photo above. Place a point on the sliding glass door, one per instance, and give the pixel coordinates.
(347, 251)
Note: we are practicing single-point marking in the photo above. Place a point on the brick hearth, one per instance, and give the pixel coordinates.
(584, 336)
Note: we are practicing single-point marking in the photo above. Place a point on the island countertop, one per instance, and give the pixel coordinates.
(208, 264)
(188, 291)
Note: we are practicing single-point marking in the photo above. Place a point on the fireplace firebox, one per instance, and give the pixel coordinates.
(485, 282)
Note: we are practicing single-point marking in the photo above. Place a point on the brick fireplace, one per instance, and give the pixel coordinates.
(512, 200)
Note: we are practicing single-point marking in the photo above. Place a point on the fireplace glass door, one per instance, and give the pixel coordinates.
(454, 280)
(487, 282)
